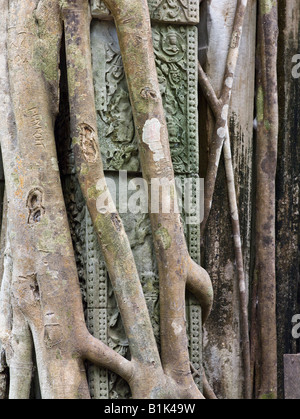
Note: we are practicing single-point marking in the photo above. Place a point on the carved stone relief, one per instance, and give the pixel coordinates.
(170, 11)
(175, 51)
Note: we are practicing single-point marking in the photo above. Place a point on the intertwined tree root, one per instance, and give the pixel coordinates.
(42, 276)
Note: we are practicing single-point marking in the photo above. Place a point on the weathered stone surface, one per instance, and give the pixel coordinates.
(292, 376)
(176, 59)
(171, 11)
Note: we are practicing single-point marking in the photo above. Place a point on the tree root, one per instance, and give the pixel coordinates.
(207, 389)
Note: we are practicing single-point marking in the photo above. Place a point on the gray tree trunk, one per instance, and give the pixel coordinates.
(222, 350)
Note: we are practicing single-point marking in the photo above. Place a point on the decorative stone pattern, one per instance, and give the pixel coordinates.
(176, 53)
(96, 296)
(170, 11)
(194, 314)
(195, 339)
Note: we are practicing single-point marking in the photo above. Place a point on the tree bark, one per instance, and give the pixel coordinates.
(265, 375)
(222, 352)
(44, 286)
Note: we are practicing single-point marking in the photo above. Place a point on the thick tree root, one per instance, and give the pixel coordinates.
(46, 300)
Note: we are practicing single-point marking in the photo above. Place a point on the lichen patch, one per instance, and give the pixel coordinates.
(151, 137)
